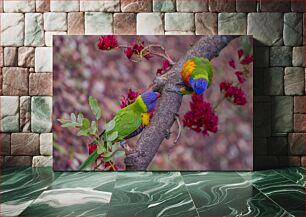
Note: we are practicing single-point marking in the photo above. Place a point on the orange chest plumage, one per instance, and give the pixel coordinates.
(187, 69)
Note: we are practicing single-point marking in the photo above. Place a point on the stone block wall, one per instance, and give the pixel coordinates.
(27, 27)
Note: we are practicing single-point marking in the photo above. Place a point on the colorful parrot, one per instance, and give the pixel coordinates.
(197, 75)
(131, 120)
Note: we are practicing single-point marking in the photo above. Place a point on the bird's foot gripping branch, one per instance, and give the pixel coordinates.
(191, 74)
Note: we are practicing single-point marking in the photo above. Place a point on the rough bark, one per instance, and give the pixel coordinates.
(170, 102)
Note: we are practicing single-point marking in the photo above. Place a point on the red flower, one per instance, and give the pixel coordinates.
(201, 117)
(107, 42)
(129, 99)
(165, 67)
(232, 64)
(91, 148)
(240, 77)
(233, 93)
(240, 53)
(148, 56)
(128, 52)
(247, 60)
(108, 164)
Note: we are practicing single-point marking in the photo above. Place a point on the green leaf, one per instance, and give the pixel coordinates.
(69, 124)
(80, 118)
(95, 108)
(116, 146)
(63, 120)
(85, 123)
(93, 128)
(100, 149)
(107, 156)
(119, 154)
(112, 136)
(110, 126)
(73, 117)
(83, 132)
(109, 144)
(246, 45)
(89, 160)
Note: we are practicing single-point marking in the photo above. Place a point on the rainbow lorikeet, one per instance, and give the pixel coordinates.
(197, 75)
(131, 120)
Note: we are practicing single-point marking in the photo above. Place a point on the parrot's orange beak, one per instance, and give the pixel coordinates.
(158, 94)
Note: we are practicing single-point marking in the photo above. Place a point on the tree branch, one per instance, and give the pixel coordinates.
(164, 117)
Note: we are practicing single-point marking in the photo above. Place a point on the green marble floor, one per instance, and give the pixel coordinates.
(42, 192)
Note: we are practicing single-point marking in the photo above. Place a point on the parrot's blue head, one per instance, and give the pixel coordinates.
(149, 99)
(198, 85)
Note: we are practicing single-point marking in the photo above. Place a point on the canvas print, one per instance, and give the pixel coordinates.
(153, 103)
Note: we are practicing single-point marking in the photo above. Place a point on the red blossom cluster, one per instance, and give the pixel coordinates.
(129, 99)
(246, 60)
(233, 93)
(164, 68)
(201, 117)
(107, 42)
(136, 48)
(112, 167)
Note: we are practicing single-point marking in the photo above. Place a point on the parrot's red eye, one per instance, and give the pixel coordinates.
(158, 94)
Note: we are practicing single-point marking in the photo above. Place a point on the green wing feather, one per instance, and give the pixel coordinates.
(127, 121)
(203, 66)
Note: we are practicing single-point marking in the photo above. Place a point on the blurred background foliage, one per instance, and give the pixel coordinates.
(82, 70)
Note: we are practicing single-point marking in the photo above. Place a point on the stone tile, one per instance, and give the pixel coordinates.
(191, 5)
(41, 84)
(10, 56)
(46, 143)
(260, 146)
(271, 6)
(259, 81)
(25, 114)
(9, 114)
(26, 56)
(262, 120)
(1, 11)
(179, 33)
(289, 161)
(282, 117)
(76, 23)
(246, 5)
(206, 23)
(293, 29)
(12, 24)
(17, 161)
(232, 23)
(297, 5)
(34, 31)
(261, 56)
(65, 6)
(278, 145)
(265, 162)
(5, 143)
(303, 161)
(261, 23)
(42, 161)
(163, 5)
(299, 123)
(15, 81)
(97, 23)
(150, 24)
(19, 6)
(294, 81)
(222, 5)
(55, 21)
(274, 79)
(179, 22)
(1, 56)
(42, 5)
(299, 104)
(43, 59)
(41, 114)
(101, 5)
(280, 56)
(296, 143)
(298, 56)
(136, 5)
(124, 24)
(49, 37)
(1, 81)
(25, 144)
